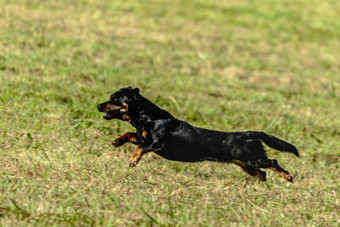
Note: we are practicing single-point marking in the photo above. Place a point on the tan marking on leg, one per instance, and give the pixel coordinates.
(283, 173)
(255, 172)
(125, 138)
(137, 155)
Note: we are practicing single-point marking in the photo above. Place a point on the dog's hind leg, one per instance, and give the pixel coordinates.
(255, 172)
(273, 165)
(282, 172)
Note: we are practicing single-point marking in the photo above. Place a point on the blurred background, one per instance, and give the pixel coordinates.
(223, 65)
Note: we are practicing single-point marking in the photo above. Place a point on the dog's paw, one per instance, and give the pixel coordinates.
(289, 178)
(117, 142)
(133, 163)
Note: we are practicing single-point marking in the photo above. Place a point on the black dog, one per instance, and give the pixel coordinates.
(158, 131)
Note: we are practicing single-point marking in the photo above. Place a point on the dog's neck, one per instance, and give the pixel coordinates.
(144, 111)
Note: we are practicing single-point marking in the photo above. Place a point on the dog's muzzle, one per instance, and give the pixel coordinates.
(109, 113)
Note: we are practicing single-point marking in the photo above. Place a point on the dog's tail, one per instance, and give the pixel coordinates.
(273, 142)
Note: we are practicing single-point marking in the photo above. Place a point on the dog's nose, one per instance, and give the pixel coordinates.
(98, 107)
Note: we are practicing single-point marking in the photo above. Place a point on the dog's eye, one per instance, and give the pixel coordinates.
(115, 100)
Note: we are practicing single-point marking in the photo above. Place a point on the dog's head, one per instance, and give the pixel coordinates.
(118, 105)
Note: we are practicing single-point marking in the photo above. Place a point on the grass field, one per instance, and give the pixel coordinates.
(224, 65)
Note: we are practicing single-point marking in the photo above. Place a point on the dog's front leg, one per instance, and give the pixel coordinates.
(129, 137)
(139, 152)
(136, 156)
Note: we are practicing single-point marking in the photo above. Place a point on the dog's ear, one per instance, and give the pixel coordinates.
(135, 93)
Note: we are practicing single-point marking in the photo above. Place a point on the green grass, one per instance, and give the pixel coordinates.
(224, 65)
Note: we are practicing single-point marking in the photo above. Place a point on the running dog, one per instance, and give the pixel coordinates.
(159, 132)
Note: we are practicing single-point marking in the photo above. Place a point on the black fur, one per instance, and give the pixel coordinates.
(158, 131)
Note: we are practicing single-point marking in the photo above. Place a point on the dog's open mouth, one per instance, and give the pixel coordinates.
(106, 116)
(112, 111)
(111, 114)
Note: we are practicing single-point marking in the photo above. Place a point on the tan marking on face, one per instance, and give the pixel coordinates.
(124, 111)
(125, 108)
(109, 107)
(126, 117)
(145, 133)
